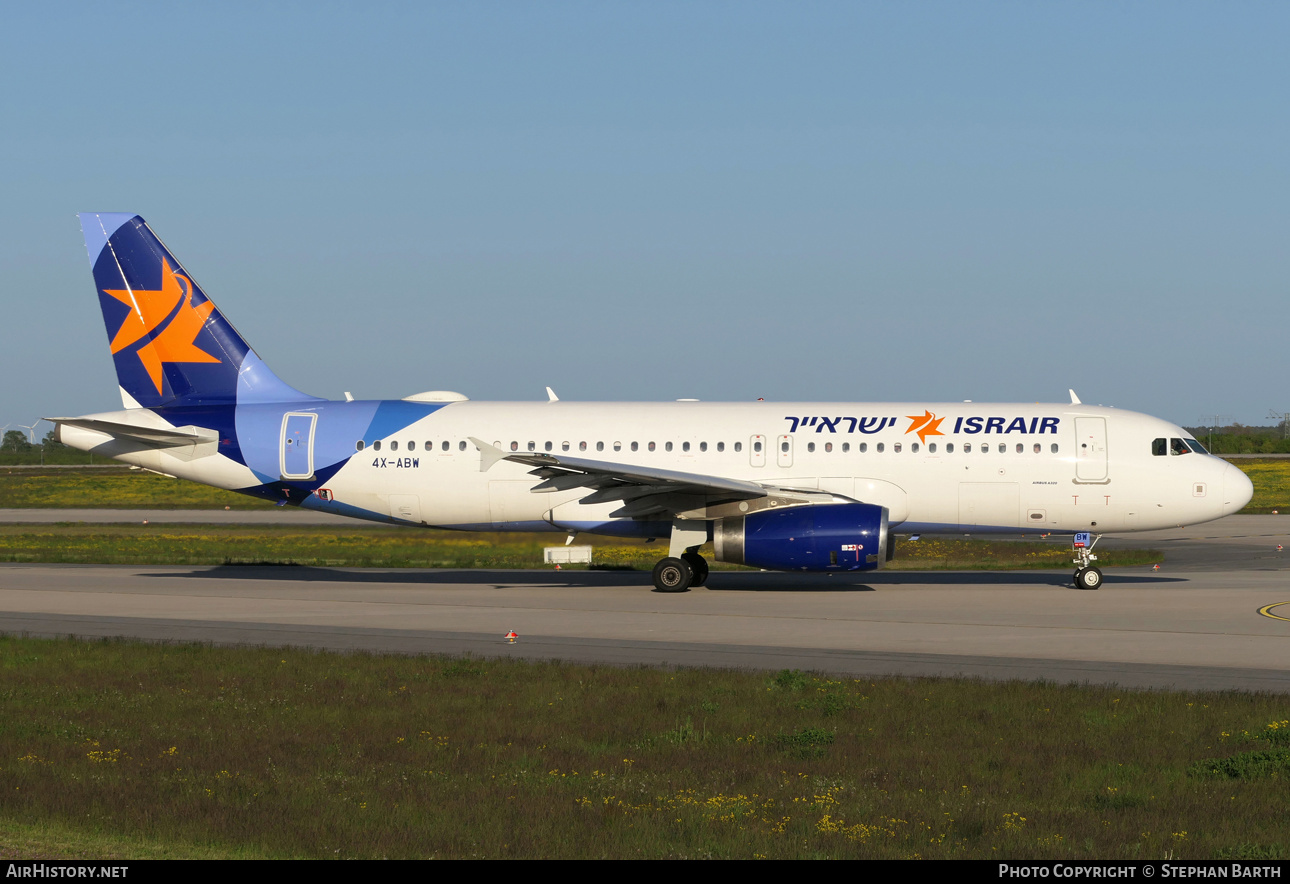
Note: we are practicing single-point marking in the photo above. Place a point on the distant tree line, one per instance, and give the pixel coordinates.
(17, 449)
(1240, 439)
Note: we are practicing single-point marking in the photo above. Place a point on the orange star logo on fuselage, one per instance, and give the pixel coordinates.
(925, 424)
(149, 309)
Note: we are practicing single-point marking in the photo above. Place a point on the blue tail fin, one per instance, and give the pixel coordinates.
(170, 345)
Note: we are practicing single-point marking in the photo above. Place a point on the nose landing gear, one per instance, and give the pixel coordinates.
(1086, 575)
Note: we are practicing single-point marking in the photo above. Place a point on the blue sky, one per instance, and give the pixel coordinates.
(810, 201)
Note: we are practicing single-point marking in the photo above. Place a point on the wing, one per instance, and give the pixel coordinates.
(646, 491)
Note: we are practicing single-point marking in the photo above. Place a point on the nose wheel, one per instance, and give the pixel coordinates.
(1088, 578)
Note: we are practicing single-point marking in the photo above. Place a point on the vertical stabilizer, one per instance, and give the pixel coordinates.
(171, 346)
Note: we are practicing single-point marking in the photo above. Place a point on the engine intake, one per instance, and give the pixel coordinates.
(821, 537)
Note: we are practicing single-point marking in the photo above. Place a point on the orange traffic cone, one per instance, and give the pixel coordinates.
(511, 637)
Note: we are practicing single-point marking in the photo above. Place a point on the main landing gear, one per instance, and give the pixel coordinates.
(677, 574)
(684, 567)
(1087, 576)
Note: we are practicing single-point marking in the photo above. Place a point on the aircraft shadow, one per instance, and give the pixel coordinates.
(718, 581)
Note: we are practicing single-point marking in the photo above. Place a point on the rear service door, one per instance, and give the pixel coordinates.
(297, 445)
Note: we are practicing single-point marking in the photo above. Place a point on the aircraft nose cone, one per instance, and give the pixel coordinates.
(1237, 489)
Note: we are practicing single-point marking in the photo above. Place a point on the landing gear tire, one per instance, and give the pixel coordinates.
(673, 575)
(1088, 578)
(698, 566)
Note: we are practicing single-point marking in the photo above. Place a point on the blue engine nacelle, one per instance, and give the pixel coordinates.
(820, 537)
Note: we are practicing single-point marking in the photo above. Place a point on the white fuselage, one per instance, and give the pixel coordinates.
(977, 468)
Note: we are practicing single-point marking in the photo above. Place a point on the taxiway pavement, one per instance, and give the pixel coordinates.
(1203, 622)
(1197, 623)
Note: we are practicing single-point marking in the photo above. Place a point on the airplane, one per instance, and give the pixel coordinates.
(797, 486)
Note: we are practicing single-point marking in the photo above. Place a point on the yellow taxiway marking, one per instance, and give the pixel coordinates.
(1266, 611)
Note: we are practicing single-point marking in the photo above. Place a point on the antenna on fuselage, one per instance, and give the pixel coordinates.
(1074, 398)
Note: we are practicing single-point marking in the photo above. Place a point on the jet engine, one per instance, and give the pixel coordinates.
(820, 537)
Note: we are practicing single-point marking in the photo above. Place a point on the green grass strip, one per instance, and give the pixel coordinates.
(123, 749)
(363, 546)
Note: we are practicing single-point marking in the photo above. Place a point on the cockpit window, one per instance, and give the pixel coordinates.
(1159, 447)
(1178, 446)
(1195, 446)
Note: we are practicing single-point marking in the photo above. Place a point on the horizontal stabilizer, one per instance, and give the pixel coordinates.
(151, 435)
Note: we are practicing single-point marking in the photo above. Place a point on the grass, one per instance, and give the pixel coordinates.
(113, 489)
(121, 749)
(364, 546)
(1271, 480)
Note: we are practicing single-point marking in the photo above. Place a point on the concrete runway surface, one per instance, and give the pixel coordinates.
(1207, 620)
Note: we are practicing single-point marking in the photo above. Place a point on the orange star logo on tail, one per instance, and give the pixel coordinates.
(925, 424)
(149, 310)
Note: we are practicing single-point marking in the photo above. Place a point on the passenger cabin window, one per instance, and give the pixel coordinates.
(846, 446)
(651, 446)
(931, 447)
(1036, 448)
(515, 446)
(461, 446)
(828, 446)
(548, 446)
(618, 446)
(636, 446)
(721, 446)
(739, 446)
(376, 446)
(896, 448)
(863, 447)
(358, 446)
(412, 446)
(685, 446)
(564, 446)
(394, 445)
(949, 447)
(600, 446)
(444, 446)
(1020, 448)
(1054, 448)
(756, 447)
(532, 446)
(879, 447)
(1003, 448)
(582, 446)
(967, 447)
